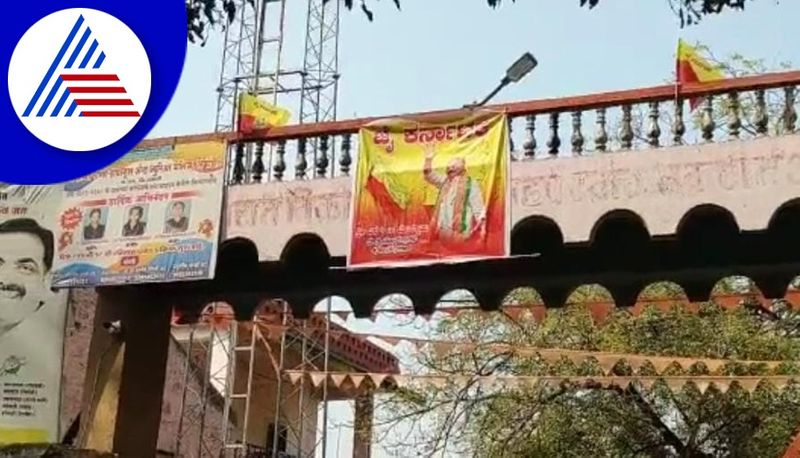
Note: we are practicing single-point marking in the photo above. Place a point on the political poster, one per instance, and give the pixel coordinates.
(430, 192)
(32, 317)
(151, 217)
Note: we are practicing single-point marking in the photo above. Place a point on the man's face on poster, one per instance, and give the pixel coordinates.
(94, 218)
(23, 277)
(177, 211)
(457, 166)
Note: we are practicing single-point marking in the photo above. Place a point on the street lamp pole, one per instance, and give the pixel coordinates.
(514, 73)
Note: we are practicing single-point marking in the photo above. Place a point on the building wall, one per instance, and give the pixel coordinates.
(78, 335)
(189, 394)
(751, 179)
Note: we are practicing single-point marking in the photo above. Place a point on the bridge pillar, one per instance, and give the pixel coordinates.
(129, 398)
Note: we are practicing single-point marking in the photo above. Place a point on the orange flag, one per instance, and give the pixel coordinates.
(691, 67)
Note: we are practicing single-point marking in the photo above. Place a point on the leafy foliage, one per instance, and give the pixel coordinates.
(577, 421)
(204, 13)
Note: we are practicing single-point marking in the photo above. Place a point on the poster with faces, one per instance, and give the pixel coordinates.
(153, 216)
(32, 317)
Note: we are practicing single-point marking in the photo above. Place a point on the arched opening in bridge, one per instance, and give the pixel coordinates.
(620, 240)
(306, 254)
(783, 231)
(537, 234)
(708, 235)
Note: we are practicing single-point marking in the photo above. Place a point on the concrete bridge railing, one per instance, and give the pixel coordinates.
(729, 146)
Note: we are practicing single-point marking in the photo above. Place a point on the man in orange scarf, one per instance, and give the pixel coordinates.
(460, 214)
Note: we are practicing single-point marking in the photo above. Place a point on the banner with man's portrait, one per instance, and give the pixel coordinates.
(429, 192)
(32, 316)
(153, 216)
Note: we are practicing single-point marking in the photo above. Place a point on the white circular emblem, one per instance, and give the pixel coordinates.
(79, 79)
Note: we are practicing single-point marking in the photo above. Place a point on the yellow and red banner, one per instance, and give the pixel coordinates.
(255, 114)
(430, 192)
(691, 68)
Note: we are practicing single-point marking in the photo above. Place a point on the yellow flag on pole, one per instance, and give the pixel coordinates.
(691, 67)
(255, 114)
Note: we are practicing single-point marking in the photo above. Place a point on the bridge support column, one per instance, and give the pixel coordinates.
(128, 397)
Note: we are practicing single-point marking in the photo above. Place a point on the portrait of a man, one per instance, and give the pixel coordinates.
(177, 222)
(26, 257)
(459, 214)
(95, 229)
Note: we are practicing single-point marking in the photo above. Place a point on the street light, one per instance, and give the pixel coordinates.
(515, 72)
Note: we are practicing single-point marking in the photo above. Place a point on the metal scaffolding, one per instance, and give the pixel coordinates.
(225, 374)
(321, 62)
(219, 377)
(201, 432)
(253, 61)
(238, 52)
(313, 346)
(320, 93)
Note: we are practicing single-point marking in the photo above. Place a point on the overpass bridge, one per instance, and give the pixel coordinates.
(620, 189)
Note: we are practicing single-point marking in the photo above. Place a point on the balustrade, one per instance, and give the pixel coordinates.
(733, 109)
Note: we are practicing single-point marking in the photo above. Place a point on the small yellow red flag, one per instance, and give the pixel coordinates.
(255, 113)
(691, 67)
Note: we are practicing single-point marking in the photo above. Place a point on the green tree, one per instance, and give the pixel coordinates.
(203, 14)
(569, 420)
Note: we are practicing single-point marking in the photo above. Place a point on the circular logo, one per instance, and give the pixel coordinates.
(87, 80)
(79, 79)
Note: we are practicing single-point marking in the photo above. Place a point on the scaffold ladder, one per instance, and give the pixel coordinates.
(235, 440)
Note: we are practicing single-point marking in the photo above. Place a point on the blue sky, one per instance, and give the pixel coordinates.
(445, 53)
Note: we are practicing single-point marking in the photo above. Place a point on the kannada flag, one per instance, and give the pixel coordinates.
(692, 68)
(255, 113)
(430, 192)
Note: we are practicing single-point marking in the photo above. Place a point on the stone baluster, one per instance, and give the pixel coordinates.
(600, 134)
(554, 142)
(529, 146)
(302, 165)
(625, 129)
(707, 124)
(734, 115)
(577, 135)
(258, 162)
(346, 159)
(280, 161)
(760, 117)
(238, 164)
(510, 122)
(678, 126)
(789, 112)
(322, 158)
(653, 129)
